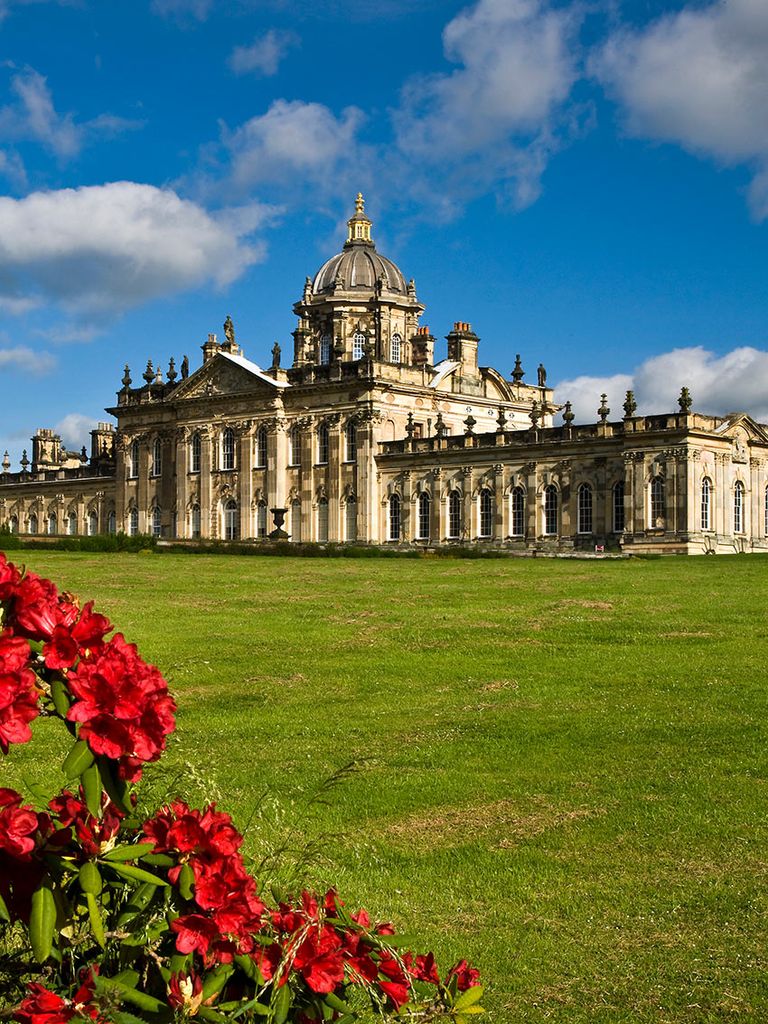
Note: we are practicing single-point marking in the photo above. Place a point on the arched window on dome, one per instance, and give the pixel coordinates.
(358, 345)
(325, 350)
(396, 346)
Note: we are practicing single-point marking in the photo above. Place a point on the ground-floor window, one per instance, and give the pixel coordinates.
(584, 510)
(72, 524)
(32, 525)
(454, 515)
(156, 519)
(13, 524)
(517, 512)
(423, 524)
(231, 520)
(322, 521)
(486, 513)
(133, 522)
(111, 523)
(618, 507)
(93, 524)
(706, 501)
(194, 521)
(550, 510)
(738, 507)
(658, 503)
(52, 523)
(351, 519)
(394, 517)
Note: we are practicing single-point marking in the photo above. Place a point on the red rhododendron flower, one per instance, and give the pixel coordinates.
(18, 707)
(467, 977)
(15, 654)
(122, 703)
(17, 825)
(194, 933)
(396, 986)
(185, 992)
(319, 960)
(10, 578)
(42, 1006)
(38, 609)
(423, 968)
(93, 834)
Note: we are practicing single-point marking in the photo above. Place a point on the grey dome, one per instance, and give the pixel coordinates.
(360, 267)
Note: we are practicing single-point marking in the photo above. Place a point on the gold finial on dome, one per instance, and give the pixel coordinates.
(359, 225)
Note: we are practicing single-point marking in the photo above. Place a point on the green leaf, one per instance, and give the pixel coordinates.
(337, 1004)
(128, 851)
(161, 860)
(116, 788)
(208, 1014)
(77, 760)
(186, 881)
(129, 994)
(254, 1005)
(131, 871)
(248, 967)
(97, 925)
(91, 782)
(42, 921)
(280, 1004)
(4, 915)
(128, 977)
(469, 998)
(122, 1017)
(215, 981)
(462, 1016)
(60, 697)
(90, 878)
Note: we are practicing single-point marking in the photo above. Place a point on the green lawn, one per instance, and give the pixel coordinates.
(566, 760)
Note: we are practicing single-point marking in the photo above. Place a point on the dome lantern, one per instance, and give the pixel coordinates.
(359, 225)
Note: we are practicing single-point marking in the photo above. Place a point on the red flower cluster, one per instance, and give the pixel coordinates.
(18, 825)
(228, 910)
(122, 704)
(93, 835)
(18, 691)
(45, 1007)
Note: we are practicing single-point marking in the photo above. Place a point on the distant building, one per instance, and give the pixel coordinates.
(368, 438)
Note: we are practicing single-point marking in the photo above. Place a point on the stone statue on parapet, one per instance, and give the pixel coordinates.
(275, 356)
(185, 368)
(229, 330)
(542, 375)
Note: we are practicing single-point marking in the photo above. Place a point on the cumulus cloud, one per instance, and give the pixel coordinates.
(293, 139)
(698, 78)
(99, 250)
(24, 359)
(264, 55)
(495, 117)
(734, 382)
(32, 116)
(75, 430)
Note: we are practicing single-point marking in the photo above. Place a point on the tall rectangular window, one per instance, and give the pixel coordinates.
(618, 507)
(518, 513)
(424, 510)
(322, 444)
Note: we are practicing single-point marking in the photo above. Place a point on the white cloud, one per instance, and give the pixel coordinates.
(196, 9)
(33, 117)
(12, 168)
(734, 382)
(699, 78)
(75, 430)
(19, 357)
(264, 55)
(292, 140)
(99, 250)
(495, 117)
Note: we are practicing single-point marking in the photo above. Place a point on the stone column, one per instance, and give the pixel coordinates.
(121, 499)
(142, 491)
(245, 480)
(407, 511)
(499, 531)
(532, 503)
(370, 512)
(467, 506)
(181, 462)
(721, 510)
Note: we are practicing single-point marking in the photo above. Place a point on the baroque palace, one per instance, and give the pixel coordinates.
(371, 437)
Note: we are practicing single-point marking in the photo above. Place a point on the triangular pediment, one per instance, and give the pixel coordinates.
(741, 427)
(227, 375)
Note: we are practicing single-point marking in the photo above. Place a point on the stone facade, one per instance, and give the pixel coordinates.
(366, 438)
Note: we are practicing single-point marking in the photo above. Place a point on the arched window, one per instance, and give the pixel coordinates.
(296, 521)
(706, 503)
(358, 345)
(423, 521)
(322, 444)
(294, 447)
(194, 521)
(13, 524)
(32, 525)
(195, 453)
(261, 519)
(157, 457)
(550, 510)
(53, 525)
(517, 512)
(228, 449)
(618, 507)
(261, 448)
(396, 346)
(133, 460)
(738, 507)
(325, 350)
(231, 520)
(72, 524)
(454, 515)
(157, 520)
(92, 525)
(112, 522)
(486, 513)
(322, 520)
(350, 453)
(658, 503)
(394, 517)
(350, 519)
(133, 522)
(584, 510)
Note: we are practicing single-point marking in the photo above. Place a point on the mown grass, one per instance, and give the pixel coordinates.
(565, 762)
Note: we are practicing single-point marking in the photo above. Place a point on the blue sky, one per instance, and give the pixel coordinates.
(585, 182)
